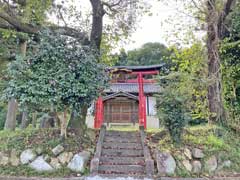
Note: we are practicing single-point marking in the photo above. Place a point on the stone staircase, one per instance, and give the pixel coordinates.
(122, 154)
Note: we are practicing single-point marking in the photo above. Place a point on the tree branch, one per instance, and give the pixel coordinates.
(15, 24)
(18, 25)
(228, 7)
(222, 17)
(6, 26)
(196, 5)
(110, 6)
(67, 31)
(61, 16)
(20, 2)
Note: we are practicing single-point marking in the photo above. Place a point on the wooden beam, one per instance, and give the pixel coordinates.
(146, 72)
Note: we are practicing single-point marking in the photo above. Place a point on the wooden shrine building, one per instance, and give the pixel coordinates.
(130, 98)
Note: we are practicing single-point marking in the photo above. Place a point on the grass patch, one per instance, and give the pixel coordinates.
(24, 170)
(45, 138)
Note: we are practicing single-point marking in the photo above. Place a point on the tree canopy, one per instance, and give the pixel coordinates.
(57, 71)
(148, 54)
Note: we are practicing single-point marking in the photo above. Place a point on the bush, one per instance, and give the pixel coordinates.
(229, 51)
(172, 108)
(184, 95)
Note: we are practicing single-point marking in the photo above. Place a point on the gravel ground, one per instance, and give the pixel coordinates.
(114, 178)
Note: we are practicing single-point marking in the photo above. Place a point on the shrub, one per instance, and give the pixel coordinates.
(172, 108)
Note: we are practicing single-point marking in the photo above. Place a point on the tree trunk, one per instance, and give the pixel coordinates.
(23, 49)
(78, 122)
(215, 32)
(64, 124)
(34, 119)
(10, 123)
(214, 89)
(25, 120)
(97, 23)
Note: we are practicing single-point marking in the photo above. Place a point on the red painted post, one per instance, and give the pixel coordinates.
(98, 120)
(100, 112)
(140, 99)
(142, 102)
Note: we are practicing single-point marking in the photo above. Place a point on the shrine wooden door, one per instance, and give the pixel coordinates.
(121, 110)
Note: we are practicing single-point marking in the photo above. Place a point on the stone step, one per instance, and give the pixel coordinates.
(123, 137)
(121, 140)
(122, 152)
(122, 161)
(121, 169)
(119, 176)
(119, 145)
(123, 134)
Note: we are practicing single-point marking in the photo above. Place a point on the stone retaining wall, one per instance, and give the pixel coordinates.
(38, 178)
(42, 161)
(216, 178)
(83, 178)
(96, 159)
(192, 160)
(148, 159)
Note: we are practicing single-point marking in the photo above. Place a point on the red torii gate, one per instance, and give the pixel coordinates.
(98, 120)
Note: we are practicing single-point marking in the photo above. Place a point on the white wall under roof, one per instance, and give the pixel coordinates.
(151, 106)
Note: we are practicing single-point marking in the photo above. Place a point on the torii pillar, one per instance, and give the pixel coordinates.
(142, 102)
(98, 121)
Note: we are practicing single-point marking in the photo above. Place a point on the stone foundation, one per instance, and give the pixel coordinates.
(152, 122)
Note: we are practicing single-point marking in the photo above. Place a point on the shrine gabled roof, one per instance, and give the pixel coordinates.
(140, 68)
(117, 94)
(132, 88)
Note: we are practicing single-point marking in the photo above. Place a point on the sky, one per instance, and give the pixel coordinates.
(169, 24)
(155, 28)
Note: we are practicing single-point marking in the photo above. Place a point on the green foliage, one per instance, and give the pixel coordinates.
(191, 64)
(58, 71)
(107, 45)
(3, 64)
(215, 142)
(148, 54)
(9, 46)
(44, 138)
(172, 107)
(26, 171)
(35, 11)
(234, 22)
(32, 12)
(230, 53)
(184, 90)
